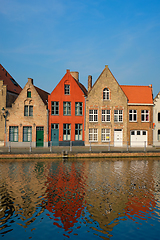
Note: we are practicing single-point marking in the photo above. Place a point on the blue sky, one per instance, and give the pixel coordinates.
(41, 39)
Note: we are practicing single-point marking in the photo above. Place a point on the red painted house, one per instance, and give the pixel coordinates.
(67, 111)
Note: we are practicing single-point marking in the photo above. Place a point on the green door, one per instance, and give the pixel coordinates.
(55, 134)
(39, 136)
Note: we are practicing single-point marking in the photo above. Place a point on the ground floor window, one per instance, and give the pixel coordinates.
(78, 132)
(13, 134)
(159, 135)
(66, 132)
(105, 135)
(93, 135)
(27, 134)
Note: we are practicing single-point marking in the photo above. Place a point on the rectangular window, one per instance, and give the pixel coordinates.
(78, 132)
(67, 89)
(78, 108)
(93, 115)
(93, 135)
(118, 115)
(159, 135)
(27, 134)
(28, 110)
(66, 132)
(55, 126)
(13, 134)
(132, 115)
(145, 115)
(28, 94)
(55, 108)
(105, 135)
(106, 116)
(159, 117)
(66, 108)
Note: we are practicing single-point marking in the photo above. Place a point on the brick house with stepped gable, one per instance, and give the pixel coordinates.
(140, 115)
(106, 111)
(156, 120)
(9, 91)
(66, 106)
(28, 118)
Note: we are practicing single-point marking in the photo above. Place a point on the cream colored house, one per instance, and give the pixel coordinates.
(28, 118)
(106, 111)
(156, 120)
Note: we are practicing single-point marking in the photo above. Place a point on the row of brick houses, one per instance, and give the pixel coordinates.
(108, 113)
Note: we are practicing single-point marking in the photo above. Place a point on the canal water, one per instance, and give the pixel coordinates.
(83, 199)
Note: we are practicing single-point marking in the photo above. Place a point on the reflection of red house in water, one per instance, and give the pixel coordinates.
(65, 194)
(140, 206)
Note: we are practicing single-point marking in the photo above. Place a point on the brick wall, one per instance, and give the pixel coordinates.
(117, 100)
(139, 125)
(17, 118)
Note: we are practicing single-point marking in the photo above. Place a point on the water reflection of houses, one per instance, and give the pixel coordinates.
(118, 189)
(24, 184)
(65, 194)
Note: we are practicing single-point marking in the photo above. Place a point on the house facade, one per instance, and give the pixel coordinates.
(156, 120)
(27, 122)
(106, 111)
(9, 91)
(66, 106)
(139, 115)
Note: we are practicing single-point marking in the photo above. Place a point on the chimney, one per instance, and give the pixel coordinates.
(30, 80)
(89, 83)
(75, 75)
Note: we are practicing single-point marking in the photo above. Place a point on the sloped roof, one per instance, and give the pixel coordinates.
(156, 97)
(8, 80)
(82, 88)
(138, 94)
(42, 94)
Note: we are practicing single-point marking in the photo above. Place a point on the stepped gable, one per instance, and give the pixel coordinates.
(43, 94)
(8, 80)
(138, 94)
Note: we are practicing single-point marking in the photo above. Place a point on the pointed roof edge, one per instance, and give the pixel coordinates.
(82, 87)
(156, 96)
(9, 81)
(43, 94)
(106, 66)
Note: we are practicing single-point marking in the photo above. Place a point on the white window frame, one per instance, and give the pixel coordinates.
(93, 115)
(106, 94)
(145, 115)
(118, 115)
(105, 135)
(93, 134)
(106, 115)
(132, 114)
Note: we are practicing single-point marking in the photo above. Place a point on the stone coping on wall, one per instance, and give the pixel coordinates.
(80, 155)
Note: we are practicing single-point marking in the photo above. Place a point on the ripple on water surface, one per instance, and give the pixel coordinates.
(80, 199)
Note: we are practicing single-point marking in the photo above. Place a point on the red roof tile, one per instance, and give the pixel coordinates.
(8, 80)
(138, 94)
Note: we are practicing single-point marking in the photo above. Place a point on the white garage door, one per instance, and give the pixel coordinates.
(138, 138)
